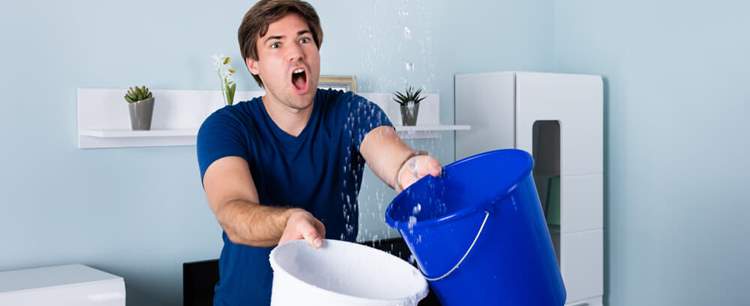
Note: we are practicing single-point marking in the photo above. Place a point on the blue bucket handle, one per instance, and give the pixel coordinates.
(479, 232)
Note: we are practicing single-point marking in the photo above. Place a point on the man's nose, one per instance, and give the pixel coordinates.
(295, 53)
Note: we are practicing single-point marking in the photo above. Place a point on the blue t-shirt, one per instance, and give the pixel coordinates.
(320, 170)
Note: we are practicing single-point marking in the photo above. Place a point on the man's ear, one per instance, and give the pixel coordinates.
(252, 65)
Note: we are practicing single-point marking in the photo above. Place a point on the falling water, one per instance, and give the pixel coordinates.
(397, 52)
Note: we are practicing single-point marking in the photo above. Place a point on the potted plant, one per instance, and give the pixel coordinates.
(141, 104)
(409, 105)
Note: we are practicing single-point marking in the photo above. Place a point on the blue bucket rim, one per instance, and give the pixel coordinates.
(464, 212)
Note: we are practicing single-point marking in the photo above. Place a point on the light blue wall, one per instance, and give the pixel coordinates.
(677, 145)
(677, 98)
(140, 212)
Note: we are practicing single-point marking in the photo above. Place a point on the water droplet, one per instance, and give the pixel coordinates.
(407, 33)
(412, 221)
(418, 208)
(409, 66)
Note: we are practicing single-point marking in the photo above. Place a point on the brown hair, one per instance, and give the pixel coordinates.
(262, 14)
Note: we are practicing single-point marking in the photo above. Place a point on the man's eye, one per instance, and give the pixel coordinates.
(304, 40)
(275, 45)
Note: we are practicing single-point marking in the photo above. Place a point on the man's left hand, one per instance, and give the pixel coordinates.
(415, 168)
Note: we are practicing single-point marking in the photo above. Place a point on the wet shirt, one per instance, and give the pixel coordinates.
(319, 170)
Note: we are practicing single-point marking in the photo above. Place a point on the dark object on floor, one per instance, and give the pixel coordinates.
(199, 278)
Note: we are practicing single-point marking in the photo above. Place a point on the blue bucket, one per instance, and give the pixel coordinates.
(478, 233)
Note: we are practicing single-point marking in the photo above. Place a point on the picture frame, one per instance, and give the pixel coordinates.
(340, 82)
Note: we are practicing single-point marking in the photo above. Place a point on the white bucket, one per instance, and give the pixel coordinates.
(342, 273)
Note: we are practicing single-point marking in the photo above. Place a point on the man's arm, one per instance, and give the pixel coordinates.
(387, 155)
(233, 199)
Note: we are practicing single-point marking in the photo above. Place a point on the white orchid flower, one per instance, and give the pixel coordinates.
(225, 71)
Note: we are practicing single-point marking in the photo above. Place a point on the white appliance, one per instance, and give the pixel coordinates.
(68, 285)
(559, 119)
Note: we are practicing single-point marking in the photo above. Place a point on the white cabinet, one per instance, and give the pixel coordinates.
(558, 118)
(68, 285)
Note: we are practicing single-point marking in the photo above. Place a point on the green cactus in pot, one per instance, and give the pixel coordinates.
(137, 94)
(141, 105)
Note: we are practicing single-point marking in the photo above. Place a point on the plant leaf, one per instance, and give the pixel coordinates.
(400, 96)
(230, 93)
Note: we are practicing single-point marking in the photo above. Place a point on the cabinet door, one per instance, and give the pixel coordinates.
(486, 102)
(581, 205)
(596, 301)
(576, 102)
(582, 264)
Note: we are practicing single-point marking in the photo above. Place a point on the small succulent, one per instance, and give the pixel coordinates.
(410, 95)
(136, 94)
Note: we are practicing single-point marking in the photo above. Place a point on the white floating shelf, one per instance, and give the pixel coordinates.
(139, 134)
(103, 119)
(128, 139)
(186, 137)
(427, 131)
(117, 138)
(432, 128)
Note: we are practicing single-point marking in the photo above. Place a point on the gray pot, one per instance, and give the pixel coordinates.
(140, 114)
(409, 111)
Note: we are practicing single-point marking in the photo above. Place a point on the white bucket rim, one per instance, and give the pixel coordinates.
(275, 266)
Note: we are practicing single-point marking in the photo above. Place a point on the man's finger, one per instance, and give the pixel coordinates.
(434, 167)
(312, 237)
(409, 180)
(428, 165)
(321, 229)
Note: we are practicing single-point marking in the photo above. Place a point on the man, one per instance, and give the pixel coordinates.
(288, 165)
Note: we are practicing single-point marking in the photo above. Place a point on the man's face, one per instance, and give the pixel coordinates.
(288, 62)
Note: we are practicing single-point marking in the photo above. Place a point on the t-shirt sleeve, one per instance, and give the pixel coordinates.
(220, 135)
(366, 116)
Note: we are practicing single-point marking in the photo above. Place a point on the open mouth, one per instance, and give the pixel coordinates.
(299, 80)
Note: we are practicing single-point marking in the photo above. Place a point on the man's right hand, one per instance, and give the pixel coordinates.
(302, 225)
